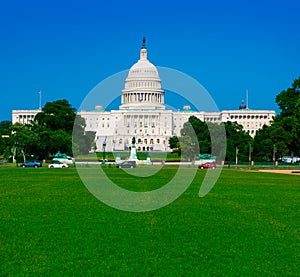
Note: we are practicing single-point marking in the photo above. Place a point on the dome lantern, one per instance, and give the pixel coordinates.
(143, 52)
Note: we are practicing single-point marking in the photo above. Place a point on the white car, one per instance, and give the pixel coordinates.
(57, 164)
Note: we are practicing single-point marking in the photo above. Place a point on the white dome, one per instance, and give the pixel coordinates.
(143, 69)
(143, 85)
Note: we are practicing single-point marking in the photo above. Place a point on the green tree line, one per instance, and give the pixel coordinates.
(49, 132)
(281, 138)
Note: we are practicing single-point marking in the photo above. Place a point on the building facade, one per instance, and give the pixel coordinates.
(143, 114)
(23, 116)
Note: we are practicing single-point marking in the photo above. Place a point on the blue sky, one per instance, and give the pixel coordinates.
(65, 48)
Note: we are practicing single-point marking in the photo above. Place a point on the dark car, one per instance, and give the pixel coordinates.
(127, 164)
(35, 164)
(212, 165)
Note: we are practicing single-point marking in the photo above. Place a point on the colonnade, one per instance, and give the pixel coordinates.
(142, 97)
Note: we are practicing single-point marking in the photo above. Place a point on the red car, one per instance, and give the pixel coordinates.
(212, 165)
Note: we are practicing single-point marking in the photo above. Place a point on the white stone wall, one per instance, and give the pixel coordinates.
(251, 120)
(152, 129)
(23, 116)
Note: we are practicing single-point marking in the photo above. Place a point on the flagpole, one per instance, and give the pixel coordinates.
(40, 100)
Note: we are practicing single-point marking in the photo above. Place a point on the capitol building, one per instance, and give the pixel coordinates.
(143, 114)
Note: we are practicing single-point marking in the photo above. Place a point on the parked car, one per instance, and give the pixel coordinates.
(57, 164)
(33, 163)
(127, 164)
(212, 165)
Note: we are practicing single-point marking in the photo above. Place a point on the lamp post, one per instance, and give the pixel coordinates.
(14, 152)
(193, 152)
(274, 154)
(250, 151)
(236, 156)
(104, 146)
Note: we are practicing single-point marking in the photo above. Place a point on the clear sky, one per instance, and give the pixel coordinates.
(65, 48)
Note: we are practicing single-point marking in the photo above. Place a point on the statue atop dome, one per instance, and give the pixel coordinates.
(144, 43)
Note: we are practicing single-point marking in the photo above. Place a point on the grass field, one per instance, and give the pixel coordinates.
(248, 225)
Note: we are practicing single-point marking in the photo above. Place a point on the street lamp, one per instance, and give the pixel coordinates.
(236, 156)
(104, 146)
(274, 154)
(14, 152)
(250, 151)
(193, 151)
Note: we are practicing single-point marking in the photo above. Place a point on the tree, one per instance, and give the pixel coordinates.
(289, 119)
(82, 140)
(4, 133)
(285, 129)
(173, 142)
(237, 138)
(188, 147)
(61, 141)
(24, 140)
(287, 99)
(202, 132)
(51, 130)
(5, 127)
(57, 115)
(283, 135)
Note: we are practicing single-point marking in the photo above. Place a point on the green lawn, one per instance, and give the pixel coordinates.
(248, 225)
